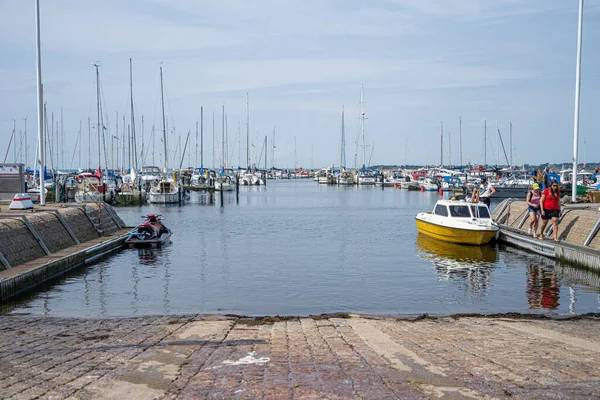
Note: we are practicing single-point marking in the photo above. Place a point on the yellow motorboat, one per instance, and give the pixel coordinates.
(457, 221)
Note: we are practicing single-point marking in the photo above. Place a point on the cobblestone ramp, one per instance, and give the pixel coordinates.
(195, 357)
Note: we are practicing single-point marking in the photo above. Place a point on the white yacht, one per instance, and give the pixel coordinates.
(366, 177)
(346, 178)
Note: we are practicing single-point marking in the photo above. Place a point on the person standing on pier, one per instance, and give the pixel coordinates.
(533, 202)
(486, 190)
(550, 207)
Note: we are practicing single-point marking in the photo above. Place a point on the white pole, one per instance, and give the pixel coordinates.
(577, 96)
(39, 101)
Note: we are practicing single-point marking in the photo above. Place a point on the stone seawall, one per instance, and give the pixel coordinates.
(31, 235)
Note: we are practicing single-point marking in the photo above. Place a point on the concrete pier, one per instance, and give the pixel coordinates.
(579, 236)
(39, 245)
(325, 357)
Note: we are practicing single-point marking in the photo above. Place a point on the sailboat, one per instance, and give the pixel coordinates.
(365, 176)
(165, 191)
(226, 179)
(345, 177)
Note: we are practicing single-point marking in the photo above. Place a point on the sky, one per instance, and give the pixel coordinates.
(420, 62)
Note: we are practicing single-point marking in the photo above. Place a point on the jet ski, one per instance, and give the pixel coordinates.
(150, 233)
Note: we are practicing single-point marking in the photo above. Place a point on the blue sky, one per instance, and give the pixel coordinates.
(420, 61)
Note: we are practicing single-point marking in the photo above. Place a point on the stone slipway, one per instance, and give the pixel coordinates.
(325, 357)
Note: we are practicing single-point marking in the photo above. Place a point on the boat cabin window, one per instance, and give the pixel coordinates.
(481, 212)
(441, 210)
(460, 211)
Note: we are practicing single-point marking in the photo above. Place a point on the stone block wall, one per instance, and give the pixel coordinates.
(574, 226)
(79, 223)
(512, 215)
(17, 243)
(51, 230)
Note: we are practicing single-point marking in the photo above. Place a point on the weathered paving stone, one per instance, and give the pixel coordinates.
(195, 357)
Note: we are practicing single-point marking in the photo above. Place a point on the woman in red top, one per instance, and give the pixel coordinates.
(550, 207)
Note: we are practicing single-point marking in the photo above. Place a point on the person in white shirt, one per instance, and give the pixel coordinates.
(486, 190)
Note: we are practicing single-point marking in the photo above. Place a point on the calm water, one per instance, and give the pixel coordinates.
(297, 248)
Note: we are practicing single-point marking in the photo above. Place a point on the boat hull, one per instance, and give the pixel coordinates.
(132, 242)
(163, 198)
(456, 235)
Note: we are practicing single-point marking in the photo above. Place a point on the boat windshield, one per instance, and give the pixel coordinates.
(460, 211)
(480, 212)
(440, 209)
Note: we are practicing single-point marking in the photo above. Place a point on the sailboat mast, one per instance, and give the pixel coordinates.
(362, 124)
(162, 103)
(511, 143)
(202, 137)
(223, 136)
(485, 142)
(133, 141)
(460, 139)
(98, 109)
(247, 130)
(40, 101)
(442, 144)
(273, 144)
(343, 145)
(213, 141)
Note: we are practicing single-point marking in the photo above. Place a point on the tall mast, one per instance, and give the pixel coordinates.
(61, 158)
(273, 144)
(98, 132)
(142, 153)
(343, 145)
(362, 125)
(133, 141)
(80, 140)
(510, 140)
(485, 142)
(442, 144)
(460, 139)
(89, 143)
(577, 98)
(247, 130)
(213, 141)
(117, 129)
(196, 158)
(223, 161)
(40, 101)
(162, 103)
(201, 137)
(449, 149)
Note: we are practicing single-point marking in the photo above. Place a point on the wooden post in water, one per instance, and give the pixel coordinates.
(237, 189)
(221, 194)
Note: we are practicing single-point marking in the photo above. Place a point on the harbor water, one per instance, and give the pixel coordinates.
(298, 248)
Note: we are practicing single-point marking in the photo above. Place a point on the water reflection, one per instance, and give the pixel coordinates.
(148, 256)
(469, 264)
(542, 288)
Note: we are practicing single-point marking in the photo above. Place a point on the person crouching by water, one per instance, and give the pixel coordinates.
(533, 202)
(486, 190)
(550, 207)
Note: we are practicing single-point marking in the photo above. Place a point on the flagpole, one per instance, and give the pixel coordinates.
(577, 98)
